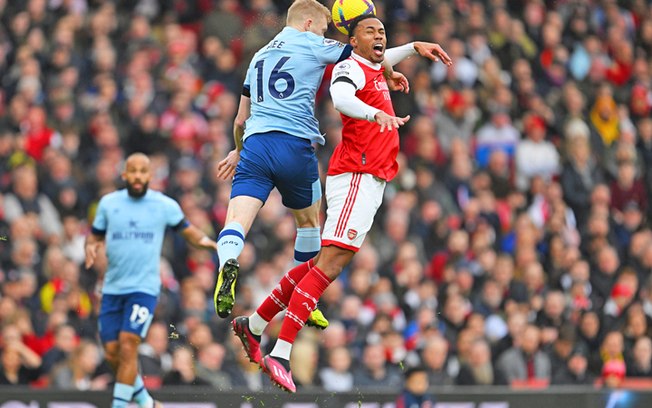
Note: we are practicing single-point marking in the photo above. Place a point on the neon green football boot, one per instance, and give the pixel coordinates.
(224, 296)
(317, 320)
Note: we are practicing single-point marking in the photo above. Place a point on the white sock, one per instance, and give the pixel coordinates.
(282, 349)
(257, 324)
(230, 242)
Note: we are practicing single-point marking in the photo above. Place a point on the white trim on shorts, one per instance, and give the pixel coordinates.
(352, 200)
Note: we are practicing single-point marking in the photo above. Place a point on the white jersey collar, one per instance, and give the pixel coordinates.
(365, 61)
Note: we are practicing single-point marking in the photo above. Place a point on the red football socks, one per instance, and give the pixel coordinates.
(280, 297)
(303, 302)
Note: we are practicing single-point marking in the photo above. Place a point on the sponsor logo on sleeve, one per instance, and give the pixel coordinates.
(328, 41)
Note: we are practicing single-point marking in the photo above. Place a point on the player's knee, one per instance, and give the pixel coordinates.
(308, 217)
(128, 348)
(332, 261)
(308, 222)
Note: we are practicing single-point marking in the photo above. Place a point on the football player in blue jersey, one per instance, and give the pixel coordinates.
(274, 131)
(131, 223)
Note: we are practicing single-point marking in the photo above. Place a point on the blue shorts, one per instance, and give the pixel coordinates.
(132, 312)
(276, 159)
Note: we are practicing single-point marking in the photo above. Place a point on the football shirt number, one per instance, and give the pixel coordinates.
(139, 314)
(272, 83)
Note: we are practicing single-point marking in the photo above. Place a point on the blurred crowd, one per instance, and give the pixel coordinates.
(513, 248)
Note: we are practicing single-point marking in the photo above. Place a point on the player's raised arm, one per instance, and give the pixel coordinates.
(432, 51)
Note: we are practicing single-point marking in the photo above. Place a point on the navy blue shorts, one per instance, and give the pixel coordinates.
(276, 159)
(131, 313)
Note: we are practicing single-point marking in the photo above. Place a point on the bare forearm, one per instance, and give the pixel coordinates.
(93, 239)
(345, 102)
(196, 237)
(238, 133)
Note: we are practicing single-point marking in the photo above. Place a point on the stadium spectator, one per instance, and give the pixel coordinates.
(479, 370)
(535, 156)
(209, 366)
(575, 371)
(434, 356)
(81, 370)
(20, 365)
(337, 376)
(374, 371)
(65, 341)
(640, 364)
(415, 392)
(525, 361)
(611, 361)
(183, 369)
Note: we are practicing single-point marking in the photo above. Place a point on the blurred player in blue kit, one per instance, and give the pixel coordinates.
(131, 223)
(274, 131)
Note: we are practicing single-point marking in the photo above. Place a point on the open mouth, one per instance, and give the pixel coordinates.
(378, 49)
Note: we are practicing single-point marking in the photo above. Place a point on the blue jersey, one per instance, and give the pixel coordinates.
(134, 229)
(282, 81)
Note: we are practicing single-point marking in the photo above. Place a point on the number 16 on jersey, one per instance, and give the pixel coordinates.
(275, 82)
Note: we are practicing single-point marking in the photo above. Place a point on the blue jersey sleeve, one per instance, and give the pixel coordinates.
(100, 222)
(328, 51)
(173, 214)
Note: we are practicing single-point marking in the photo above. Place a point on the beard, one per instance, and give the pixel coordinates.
(135, 193)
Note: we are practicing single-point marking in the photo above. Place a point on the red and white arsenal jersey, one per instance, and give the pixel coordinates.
(364, 148)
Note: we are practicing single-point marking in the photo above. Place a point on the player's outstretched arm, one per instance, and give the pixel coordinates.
(196, 237)
(432, 51)
(91, 246)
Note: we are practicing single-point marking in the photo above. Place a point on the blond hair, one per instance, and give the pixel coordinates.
(302, 10)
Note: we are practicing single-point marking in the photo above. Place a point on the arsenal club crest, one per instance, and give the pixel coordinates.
(351, 233)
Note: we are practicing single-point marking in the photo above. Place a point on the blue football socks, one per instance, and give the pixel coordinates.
(307, 244)
(121, 395)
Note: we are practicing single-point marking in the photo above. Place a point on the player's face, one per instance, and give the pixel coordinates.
(137, 175)
(318, 25)
(369, 40)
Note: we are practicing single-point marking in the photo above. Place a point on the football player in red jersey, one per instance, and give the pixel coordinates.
(358, 171)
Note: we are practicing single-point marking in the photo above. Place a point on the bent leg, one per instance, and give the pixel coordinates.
(304, 297)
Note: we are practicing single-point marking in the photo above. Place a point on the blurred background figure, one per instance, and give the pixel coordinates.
(415, 390)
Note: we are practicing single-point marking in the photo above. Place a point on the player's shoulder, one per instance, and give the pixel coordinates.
(348, 68)
(113, 196)
(348, 63)
(314, 39)
(158, 196)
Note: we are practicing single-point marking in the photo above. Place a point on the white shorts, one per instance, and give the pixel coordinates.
(352, 200)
